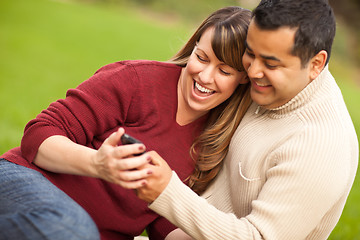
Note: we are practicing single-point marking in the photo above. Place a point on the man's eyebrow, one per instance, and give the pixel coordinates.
(263, 56)
(270, 58)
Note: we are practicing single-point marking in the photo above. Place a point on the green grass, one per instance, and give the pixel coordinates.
(47, 47)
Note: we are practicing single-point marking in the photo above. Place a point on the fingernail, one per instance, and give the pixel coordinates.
(148, 158)
(149, 172)
(141, 148)
(143, 183)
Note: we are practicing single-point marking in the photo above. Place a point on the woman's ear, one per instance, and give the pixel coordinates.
(317, 64)
(243, 78)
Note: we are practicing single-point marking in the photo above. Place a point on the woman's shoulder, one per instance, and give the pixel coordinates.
(132, 72)
(138, 65)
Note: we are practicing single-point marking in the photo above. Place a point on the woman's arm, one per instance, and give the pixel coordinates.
(87, 114)
(61, 155)
(111, 162)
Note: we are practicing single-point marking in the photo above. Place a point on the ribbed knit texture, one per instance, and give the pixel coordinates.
(287, 174)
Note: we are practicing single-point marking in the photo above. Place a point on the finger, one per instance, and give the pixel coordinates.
(134, 175)
(114, 138)
(147, 165)
(132, 162)
(156, 159)
(133, 184)
(123, 151)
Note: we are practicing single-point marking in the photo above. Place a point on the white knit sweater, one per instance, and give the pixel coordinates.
(287, 175)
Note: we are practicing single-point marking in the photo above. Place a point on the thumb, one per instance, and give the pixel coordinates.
(114, 138)
(155, 158)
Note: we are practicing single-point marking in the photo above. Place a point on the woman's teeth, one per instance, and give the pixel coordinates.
(202, 89)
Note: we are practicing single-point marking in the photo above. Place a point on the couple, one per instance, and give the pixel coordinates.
(279, 167)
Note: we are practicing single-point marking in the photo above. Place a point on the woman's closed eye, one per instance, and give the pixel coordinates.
(202, 59)
(224, 72)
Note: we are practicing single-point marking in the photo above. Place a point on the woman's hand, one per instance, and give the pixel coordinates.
(117, 164)
(157, 181)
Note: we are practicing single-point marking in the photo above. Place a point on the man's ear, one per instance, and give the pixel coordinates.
(243, 78)
(317, 64)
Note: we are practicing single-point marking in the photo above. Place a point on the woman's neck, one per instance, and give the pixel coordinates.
(185, 114)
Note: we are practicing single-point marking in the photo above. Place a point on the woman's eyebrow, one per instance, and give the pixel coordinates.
(201, 51)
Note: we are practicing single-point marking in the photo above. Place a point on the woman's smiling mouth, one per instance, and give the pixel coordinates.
(201, 90)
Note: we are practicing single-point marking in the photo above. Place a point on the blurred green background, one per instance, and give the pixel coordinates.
(47, 47)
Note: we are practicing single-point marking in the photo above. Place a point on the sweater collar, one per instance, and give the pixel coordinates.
(302, 98)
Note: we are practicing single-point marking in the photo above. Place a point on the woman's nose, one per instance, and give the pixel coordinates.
(207, 75)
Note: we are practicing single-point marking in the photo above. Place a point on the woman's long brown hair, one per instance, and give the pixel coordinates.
(228, 43)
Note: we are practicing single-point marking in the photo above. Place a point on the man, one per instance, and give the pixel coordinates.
(293, 159)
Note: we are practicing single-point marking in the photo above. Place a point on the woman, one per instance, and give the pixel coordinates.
(74, 142)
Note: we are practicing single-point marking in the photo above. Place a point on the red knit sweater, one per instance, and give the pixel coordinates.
(140, 96)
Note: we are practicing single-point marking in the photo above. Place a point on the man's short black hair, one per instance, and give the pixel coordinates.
(313, 20)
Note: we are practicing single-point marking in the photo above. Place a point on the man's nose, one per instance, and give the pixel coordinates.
(255, 69)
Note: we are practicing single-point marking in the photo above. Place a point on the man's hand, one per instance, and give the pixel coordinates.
(157, 181)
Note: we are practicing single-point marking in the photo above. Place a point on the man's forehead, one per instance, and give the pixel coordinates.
(275, 40)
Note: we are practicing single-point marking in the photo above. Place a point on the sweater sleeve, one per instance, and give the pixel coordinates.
(184, 208)
(95, 106)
